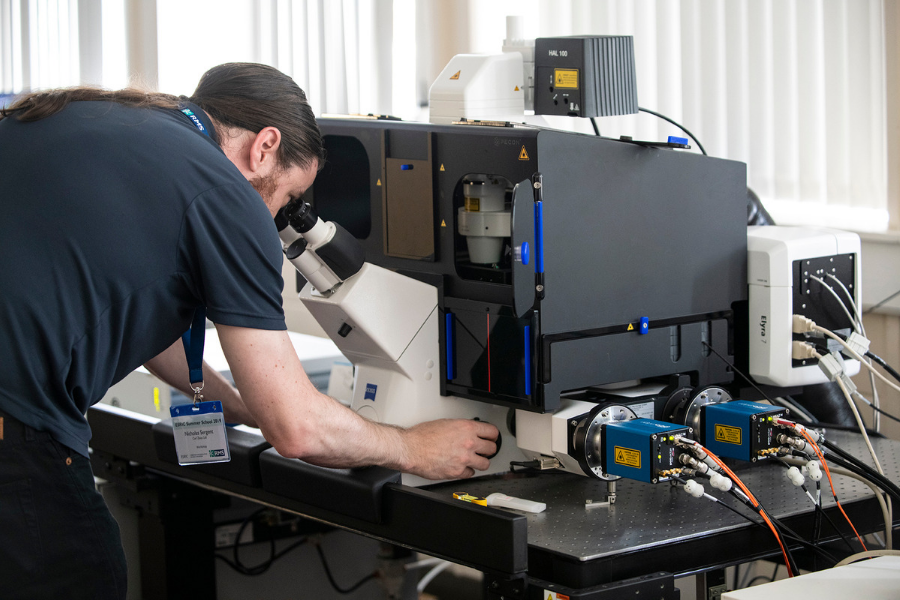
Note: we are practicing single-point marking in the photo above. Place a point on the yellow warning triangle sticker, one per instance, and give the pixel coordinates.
(630, 327)
(456, 75)
(378, 183)
(523, 155)
(442, 167)
(443, 223)
(620, 456)
(549, 597)
(517, 89)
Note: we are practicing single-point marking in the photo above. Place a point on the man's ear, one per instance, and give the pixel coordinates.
(264, 150)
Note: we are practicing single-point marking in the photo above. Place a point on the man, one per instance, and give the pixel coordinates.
(123, 212)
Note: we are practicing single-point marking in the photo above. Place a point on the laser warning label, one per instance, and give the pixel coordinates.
(728, 434)
(565, 78)
(628, 457)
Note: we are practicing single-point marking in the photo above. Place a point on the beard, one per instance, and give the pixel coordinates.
(265, 186)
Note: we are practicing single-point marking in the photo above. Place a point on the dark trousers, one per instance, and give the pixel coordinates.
(57, 537)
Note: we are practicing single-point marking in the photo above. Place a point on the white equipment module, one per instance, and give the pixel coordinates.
(788, 269)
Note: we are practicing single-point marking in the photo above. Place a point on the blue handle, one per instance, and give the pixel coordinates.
(528, 360)
(448, 326)
(539, 237)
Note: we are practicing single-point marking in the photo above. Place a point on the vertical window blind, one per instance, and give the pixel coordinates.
(794, 88)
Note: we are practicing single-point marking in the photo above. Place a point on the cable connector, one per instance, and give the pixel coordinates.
(795, 476)
(832, 365)
(858, 343)
(693, 488)
(803, 351)
(801, 324)
(813, 470)
(720, 482)
(691, 462)
(848, 383)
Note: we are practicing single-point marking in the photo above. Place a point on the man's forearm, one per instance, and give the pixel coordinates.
(171, 366)
(301, 422)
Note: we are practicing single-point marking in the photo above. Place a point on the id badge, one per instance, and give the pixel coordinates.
(200, 433)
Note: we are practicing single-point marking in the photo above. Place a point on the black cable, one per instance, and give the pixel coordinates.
(237, 564)
(817, 520)
(885, 484)
(792, 535)
(888, 299)
(245, 570)
(867, 472)
(736, 370)
(594, 125)
(781, 528)
(681, 127)
(884, 365)
(334, 583)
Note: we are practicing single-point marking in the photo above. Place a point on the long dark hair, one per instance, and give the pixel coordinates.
(243, 95)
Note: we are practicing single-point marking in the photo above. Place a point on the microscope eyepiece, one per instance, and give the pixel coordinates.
(301, 215)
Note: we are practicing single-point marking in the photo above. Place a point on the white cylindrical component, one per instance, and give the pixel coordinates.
(693, 488)
(795, 476)
(504, 501)
(814, 470)
(720, 482)
(515, 28)
(321, 233)
(484, 196)
(485, 250)
(288, 236)
(315, 272)
(713, 465)
(483, 220)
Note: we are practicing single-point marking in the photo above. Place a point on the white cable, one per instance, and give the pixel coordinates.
(852, 353)
(862, 429)
(425, 562)
(870, 554)
(430, 575)
(859, 422)
(852, 302)
(794, 408)
(840, 301)
(876, 402)
(885, 512)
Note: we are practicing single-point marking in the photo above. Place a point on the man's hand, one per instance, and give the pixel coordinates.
(449, 449)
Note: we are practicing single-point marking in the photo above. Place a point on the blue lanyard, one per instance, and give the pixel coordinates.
(193, 340)
(194, 337)
(196, 121)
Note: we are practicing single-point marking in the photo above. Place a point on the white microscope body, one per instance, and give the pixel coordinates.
(387, 325)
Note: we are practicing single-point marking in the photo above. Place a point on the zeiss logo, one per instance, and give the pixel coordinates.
(371, 390)
(215, 453)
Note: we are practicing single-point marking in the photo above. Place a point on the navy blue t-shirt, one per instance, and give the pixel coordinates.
(115, 224)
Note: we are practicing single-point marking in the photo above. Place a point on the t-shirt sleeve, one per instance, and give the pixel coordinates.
(232, 257)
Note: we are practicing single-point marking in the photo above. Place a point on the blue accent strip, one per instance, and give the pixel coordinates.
(193, 340)
(202, 408)
(539, 237)
(448, 334)
(678, 140)
(528, 360)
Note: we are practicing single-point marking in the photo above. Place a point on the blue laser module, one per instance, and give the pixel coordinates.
(643, 449)
(740, 429)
